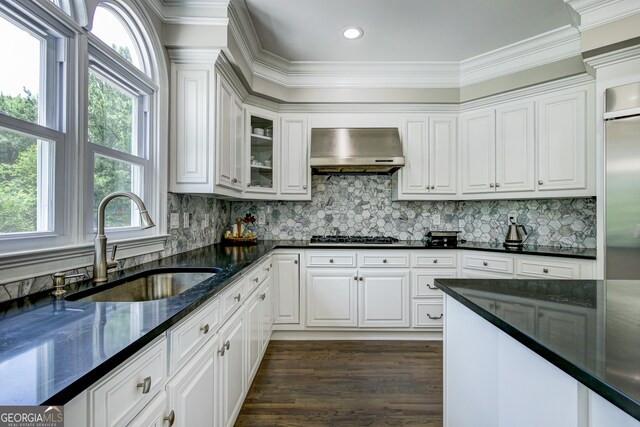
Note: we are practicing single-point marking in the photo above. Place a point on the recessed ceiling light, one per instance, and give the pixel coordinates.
(352, 33)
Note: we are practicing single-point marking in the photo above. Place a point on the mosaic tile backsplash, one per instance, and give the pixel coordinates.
(362, 205)
(180, 240)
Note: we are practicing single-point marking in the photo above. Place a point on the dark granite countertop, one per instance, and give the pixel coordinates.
(604, 356)
(50, 351)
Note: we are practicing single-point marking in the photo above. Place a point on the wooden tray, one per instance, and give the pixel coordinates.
(240, 240)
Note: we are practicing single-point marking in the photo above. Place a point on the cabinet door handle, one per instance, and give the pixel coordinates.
(384, 261)
(362, 279)
(205, 329)
(331, 261)
(227, 344)
(435, 261)
(355, 278)
(237, 297)
(491, 184)
(304, 187)
(295, 261)
(222, 351)
(497, 184)
(485, 263)
(145, 385)
(545, 270)
(435, 318)
(263, 296)
(540, 182)
(171, 418)
(433, 187)
(433, 288)
(256, 279)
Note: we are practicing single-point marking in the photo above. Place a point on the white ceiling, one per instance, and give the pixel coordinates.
(399, 30)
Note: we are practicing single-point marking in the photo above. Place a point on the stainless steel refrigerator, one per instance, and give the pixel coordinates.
(622, 142)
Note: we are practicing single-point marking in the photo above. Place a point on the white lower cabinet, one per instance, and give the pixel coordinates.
(286, 288)
(233, 353)
(332, 297)
(383, 299)
(191, 393)
(254, 333)
(154, 414)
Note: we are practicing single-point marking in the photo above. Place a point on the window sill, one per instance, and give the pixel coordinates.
(28, 264)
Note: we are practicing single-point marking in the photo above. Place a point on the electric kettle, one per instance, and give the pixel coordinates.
(514, 238)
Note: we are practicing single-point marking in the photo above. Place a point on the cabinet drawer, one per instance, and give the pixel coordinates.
(427, 314)
(186, 338)
(257, 276)
(331, 259)
(434, 260)
(495, 264)
(423, 282)
(117, 399)
(383, 259)
(543, 268)
(232, 298)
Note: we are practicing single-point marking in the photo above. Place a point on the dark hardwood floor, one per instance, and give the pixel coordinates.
(347, 383)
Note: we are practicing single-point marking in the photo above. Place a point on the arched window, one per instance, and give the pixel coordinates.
(122, 146)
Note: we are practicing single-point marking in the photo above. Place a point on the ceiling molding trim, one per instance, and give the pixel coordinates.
(191, 12)
(526, 93)
(361, 74)
(194, 55)
(614, 57)
(539, 50)
(370, 108)
(594, 13)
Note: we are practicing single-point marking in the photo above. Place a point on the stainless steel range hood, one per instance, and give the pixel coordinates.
(355, 151)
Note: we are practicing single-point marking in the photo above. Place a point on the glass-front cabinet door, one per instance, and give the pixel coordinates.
(263, 163)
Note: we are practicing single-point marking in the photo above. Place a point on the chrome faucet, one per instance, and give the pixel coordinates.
(100, 264)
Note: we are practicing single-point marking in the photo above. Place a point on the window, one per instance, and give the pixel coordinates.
(31, 137)
(120, 94)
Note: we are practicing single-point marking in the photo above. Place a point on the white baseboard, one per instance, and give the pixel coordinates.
(356, 335)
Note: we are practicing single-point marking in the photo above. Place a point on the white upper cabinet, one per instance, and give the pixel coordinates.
(515, 148)
(191, 138)
(415, 141)
(295, 173)
(442, 155)
(562, 142)
(261, 152)
(429, 148)
(228, 136)
(478, 152)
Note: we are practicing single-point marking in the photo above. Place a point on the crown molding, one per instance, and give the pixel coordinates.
(191, 12)
(594, 13)
(615, 57)
(370, 108)
(528, 92)
(194, 55)
(539, 50)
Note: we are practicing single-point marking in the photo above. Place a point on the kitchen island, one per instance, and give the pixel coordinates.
(541, 352)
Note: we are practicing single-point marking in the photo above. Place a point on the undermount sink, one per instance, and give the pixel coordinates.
(147, 286)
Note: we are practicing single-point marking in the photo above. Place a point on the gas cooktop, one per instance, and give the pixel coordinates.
(353, 240)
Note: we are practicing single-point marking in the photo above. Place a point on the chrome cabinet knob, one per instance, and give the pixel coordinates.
(384, 261)
(295, 261)
(485, 263)
(355, 278)
(304, 187)
(145, 385)
(362, 279)
(263, 296)
(491, 184)
(205, 329)
(171, 418)
(497, 184)
(227, 344)
(331, 261)
(433, 187)
(256, 280)
(545, 270)
(540, 182)
(435, 261)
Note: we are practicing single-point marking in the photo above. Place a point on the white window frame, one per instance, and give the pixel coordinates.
(71, 246)
(52, 204)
